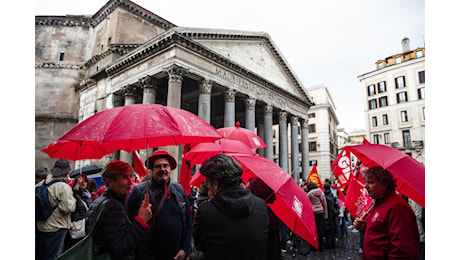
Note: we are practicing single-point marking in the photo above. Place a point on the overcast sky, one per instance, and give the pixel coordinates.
(325, 42)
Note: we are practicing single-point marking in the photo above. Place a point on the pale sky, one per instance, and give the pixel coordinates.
(324, 42)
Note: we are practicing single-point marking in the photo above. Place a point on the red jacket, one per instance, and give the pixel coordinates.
(391, 230)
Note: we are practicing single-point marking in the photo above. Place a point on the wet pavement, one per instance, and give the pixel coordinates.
(346, 248)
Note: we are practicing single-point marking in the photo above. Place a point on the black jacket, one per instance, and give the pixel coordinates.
(233, 225)
(114, 231)
(171, 230)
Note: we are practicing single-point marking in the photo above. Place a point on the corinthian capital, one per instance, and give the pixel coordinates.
(230, 95)
(205, 86)
(175, 72)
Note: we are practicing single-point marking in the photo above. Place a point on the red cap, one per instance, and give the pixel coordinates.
(160, 154)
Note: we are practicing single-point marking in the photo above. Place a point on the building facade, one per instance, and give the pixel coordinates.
(395, 101)
(322, 131)
(125, 54)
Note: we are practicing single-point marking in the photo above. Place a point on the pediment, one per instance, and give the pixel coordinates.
(252, 50)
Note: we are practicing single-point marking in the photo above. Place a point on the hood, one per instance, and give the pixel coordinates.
(234, 202)
(315, 192)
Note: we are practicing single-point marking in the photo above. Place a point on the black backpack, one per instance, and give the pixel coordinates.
(43, 208)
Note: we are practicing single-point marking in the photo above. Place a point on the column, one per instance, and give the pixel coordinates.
(305, 149)
(261, 134)
(204, 100)
(295, 148)
(283, 141)
(174, 100)
(229, 115)
(130, 98)
(250, 114)
(268, 131)
(150, 85)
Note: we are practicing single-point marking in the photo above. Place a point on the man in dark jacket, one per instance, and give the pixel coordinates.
(234, 224)
(171, 226)
(114, 232)
(390, 227)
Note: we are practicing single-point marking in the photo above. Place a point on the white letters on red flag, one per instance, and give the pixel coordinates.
(341, 168)
(357, 201)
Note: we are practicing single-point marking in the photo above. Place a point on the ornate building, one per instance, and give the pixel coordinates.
(125, 54)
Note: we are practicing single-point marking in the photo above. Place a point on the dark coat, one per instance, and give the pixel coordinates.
(171, 230)
(80, 208)
(233, 225)
(114, 231)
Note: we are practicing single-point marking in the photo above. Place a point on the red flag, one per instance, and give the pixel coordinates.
(357, 200)
(341, 168)
(139, 166)
(314, 177)
(365, 141)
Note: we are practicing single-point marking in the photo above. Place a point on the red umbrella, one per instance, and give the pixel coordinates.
(200, 152)
(409, 173)
(291, 205)
(242, 134)
(76, 150)
(140, 126)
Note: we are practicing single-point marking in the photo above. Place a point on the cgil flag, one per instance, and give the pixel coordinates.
(341, 168)
(314, 177)
(357, 201)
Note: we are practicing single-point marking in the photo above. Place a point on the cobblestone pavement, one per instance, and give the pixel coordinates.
(346, 248)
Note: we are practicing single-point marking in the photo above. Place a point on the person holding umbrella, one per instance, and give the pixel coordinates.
(390, 226)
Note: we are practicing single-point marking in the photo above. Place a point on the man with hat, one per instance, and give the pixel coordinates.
(171, 224)
(52, 231)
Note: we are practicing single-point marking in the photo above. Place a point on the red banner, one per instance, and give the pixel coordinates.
(139, 167)
(341, 168)
(314, 177)
(357, 200)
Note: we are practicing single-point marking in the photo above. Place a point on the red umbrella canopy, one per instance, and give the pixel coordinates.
(409, 173)
(76, 150)
(142, 126)
(292, 205)
(200, 152)
(244, 135)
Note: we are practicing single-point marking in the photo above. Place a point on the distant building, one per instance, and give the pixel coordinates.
(395, 101)
(322, 131)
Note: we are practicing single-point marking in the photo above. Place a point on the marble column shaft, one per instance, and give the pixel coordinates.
(305, 149)
(204, 100)
(251, 114)
(283, 153)
(268, 130)
(130, 99)
(295, 148)
(229, 114)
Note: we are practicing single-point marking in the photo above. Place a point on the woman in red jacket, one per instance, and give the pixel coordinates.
(390, 227)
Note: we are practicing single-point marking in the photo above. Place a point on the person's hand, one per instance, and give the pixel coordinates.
(359, 224)
(145, 212)
(180, 255)
(78, 181)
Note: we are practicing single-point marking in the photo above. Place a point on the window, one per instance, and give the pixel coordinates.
(423, 113)
(102, 48)
(404, 117)
(421, 77)
(382, 86)
(374, 121)
(312, 128)
(400, 82)
(61, 56)
(406, 138)
(371, 90)
(380, 65)
(386, 137)
(419, 54)
(313, 162)
(373, 104)
(109, 41)
(421, 93)
(312, 146)
(398, 60)
(376, 139)
(383, 101)
(311, 115)
(401, 97)
(385, 119)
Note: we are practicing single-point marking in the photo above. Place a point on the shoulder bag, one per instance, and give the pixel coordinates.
(85, 249)
(77, 228)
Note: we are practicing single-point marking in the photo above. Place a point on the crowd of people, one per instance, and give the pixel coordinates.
(222, 219)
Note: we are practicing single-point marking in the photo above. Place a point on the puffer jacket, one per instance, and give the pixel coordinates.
(114, 232)
(318, 201)
(83, 202)
(233, 225)
(60, 195)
